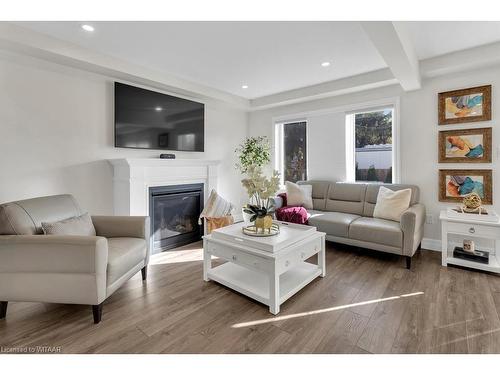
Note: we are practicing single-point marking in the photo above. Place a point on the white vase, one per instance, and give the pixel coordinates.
(246, 217)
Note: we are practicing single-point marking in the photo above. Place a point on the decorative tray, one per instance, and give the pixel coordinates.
(252, 230)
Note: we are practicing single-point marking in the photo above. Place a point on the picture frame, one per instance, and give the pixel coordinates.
(465, 146)
(455, 184)
(464, 105)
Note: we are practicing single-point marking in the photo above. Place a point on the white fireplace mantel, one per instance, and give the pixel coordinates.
(132, 179)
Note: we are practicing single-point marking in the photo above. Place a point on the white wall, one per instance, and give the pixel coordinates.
(418, 134)
(57, 132)
(326, 154)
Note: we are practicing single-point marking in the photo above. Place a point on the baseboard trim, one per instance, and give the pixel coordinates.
(431, 244)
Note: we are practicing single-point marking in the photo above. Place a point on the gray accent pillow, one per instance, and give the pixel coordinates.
(74, 226)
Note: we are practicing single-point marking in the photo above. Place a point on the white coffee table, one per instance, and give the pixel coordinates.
(268, 269)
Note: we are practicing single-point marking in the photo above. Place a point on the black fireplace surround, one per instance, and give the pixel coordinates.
(174, 212)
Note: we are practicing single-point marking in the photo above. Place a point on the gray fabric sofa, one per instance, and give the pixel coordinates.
(344, 211)
(67, 269)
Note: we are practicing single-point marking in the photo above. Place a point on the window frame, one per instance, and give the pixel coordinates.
(393, 101)
(279, 147)
(350, 130)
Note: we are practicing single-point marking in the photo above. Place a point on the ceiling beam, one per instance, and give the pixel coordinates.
(461, 61)
(393, 43)
(360, 82)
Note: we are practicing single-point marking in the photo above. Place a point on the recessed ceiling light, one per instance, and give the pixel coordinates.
(88, 27)
(158, 109)
(325, 64)
(244, 87)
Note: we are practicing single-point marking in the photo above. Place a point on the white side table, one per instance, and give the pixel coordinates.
(466, 227)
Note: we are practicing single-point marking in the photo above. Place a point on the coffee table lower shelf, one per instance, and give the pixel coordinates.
(256, 285)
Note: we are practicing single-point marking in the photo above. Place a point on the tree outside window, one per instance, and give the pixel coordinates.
(373, 146)
(294, 151)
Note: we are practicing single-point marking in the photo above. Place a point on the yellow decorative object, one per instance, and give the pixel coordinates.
(472, 202)
(264, 223)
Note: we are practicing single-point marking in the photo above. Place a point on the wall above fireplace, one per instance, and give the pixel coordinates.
(132, 179)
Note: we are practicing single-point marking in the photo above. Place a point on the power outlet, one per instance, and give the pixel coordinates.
(429, 219)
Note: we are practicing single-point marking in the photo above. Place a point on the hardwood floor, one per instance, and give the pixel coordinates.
(367, 303)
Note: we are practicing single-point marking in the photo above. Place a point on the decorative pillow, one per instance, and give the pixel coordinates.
(216, 206)
(283, 197)
(297, 215)
(391, 204)
(299, 195)
(75, 226)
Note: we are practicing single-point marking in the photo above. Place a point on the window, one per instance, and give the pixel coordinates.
(291, 151)
(370, 155)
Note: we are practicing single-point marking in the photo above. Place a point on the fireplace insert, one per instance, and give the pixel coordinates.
(174, 212)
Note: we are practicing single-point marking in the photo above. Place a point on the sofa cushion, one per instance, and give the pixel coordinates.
(297, 215)
(381, 231)
(26, 216)
(346, 197)
(332, 223)
(319, 192)
(124, 253)
(75, 226)
(372, 193)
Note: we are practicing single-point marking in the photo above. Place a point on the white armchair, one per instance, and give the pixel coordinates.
(67, 269)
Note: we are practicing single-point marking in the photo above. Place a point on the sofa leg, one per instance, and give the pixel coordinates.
(419, 246)
(144, 272)
(408, 262)
(97, 312)
(3, 309)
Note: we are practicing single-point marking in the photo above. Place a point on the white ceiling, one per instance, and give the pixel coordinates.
(269, 57)
(433, 38)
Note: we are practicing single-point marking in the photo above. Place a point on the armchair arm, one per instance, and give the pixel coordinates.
(412, 225)
(55, 254)
(60, 269)
(122, 226)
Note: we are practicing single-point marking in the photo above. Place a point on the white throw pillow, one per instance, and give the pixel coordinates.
(216, 206)
(391, 204)
(299, 195)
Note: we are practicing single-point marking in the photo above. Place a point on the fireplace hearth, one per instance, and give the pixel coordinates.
(174, 212)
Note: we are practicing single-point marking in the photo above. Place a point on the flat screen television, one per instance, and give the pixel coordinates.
(151, 120)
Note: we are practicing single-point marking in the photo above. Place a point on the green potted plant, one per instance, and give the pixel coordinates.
(254, 151)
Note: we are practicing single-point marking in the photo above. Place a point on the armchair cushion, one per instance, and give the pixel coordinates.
(124, 254)
(76, 226)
